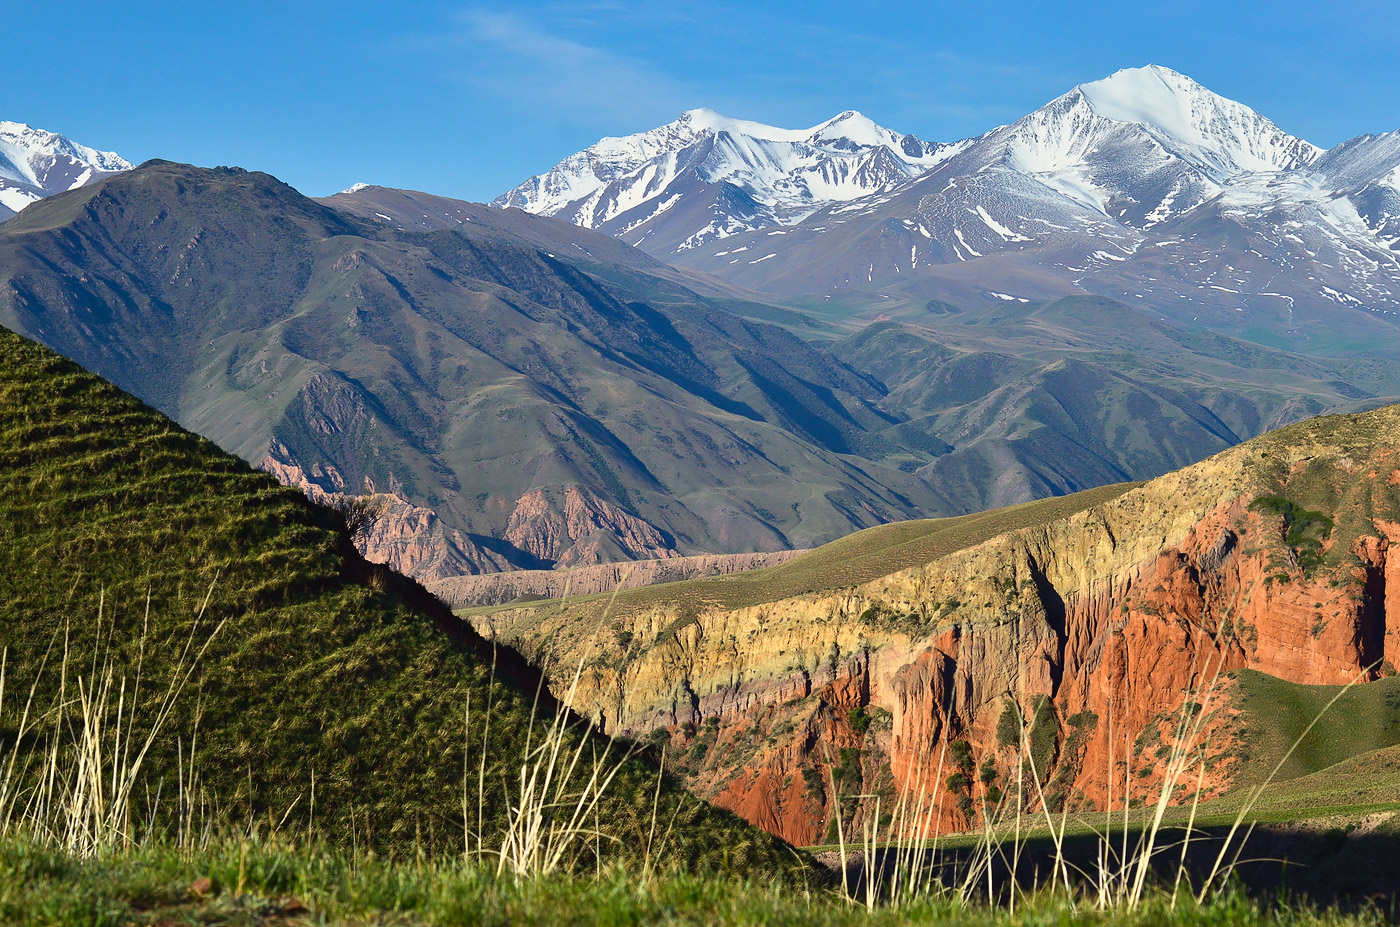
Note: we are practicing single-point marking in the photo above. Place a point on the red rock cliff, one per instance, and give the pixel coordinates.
(1278, 555)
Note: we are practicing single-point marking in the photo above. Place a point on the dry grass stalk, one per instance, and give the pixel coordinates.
(77, 786)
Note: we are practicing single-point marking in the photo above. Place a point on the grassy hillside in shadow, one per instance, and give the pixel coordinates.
(332, 694)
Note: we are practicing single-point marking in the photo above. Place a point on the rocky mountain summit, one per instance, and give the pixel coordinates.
(523, 394)
(709, 176)
(1144, 186)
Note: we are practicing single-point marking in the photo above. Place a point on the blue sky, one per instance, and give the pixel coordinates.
(466, 99)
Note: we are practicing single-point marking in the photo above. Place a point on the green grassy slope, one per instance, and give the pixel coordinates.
(1355, 786)
(113, 518)
(1366, 719)
(1343, 775)
(608, 258)
(1035, 399)
(482, 358)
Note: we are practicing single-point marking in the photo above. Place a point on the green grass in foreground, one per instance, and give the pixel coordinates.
(252, 883)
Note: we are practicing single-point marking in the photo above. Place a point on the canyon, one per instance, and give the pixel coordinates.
(1074, 639)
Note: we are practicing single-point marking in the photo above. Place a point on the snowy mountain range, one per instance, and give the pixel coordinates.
(1144, 186)
(35, 164)
(726, 175)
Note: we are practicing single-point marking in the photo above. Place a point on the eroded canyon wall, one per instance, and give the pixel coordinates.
(1276, 555)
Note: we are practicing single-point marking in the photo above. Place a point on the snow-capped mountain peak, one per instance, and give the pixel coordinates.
(1157, 109)
(35, 163)
(1180, 113)
(749, 173)
(1152, 96)
(41, 158)
(854, 128)
(1144, 185)
(1139, 146)
(1142, 145)
(706, 121)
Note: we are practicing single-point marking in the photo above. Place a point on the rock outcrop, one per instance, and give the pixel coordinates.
(408, 538)
(574, 527)
(569, 527)
(1069, 644)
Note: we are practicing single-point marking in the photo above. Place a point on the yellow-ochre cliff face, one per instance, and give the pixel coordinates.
(1091, 618)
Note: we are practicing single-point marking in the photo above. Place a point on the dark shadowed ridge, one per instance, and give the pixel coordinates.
(477, 376)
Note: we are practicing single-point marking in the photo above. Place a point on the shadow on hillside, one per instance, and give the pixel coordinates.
(1349, 869)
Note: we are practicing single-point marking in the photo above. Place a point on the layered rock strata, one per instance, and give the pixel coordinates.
(562, 526)
(1065, 646)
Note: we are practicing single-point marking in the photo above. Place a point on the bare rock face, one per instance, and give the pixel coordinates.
(408, 538)
(573, 527)
(567, 527)
(1090, 632)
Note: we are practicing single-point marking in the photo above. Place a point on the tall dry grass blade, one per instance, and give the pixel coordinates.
(651, 830)
(547, 819)
(1057, 837)
(1190, 829)
(1188, 729)
(840, 834)
(83, 786)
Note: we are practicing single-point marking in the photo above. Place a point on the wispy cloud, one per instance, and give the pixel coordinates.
(608, 67)
(559, 75)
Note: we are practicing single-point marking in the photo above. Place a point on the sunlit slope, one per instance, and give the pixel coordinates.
(1348, 755)
(860, 557)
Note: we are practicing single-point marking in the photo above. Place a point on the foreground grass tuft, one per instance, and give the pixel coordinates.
(237, 883)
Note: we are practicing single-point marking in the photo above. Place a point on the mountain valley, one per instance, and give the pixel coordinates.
(822, 507)
(518, 393)
(853, 669)
(522, 410)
